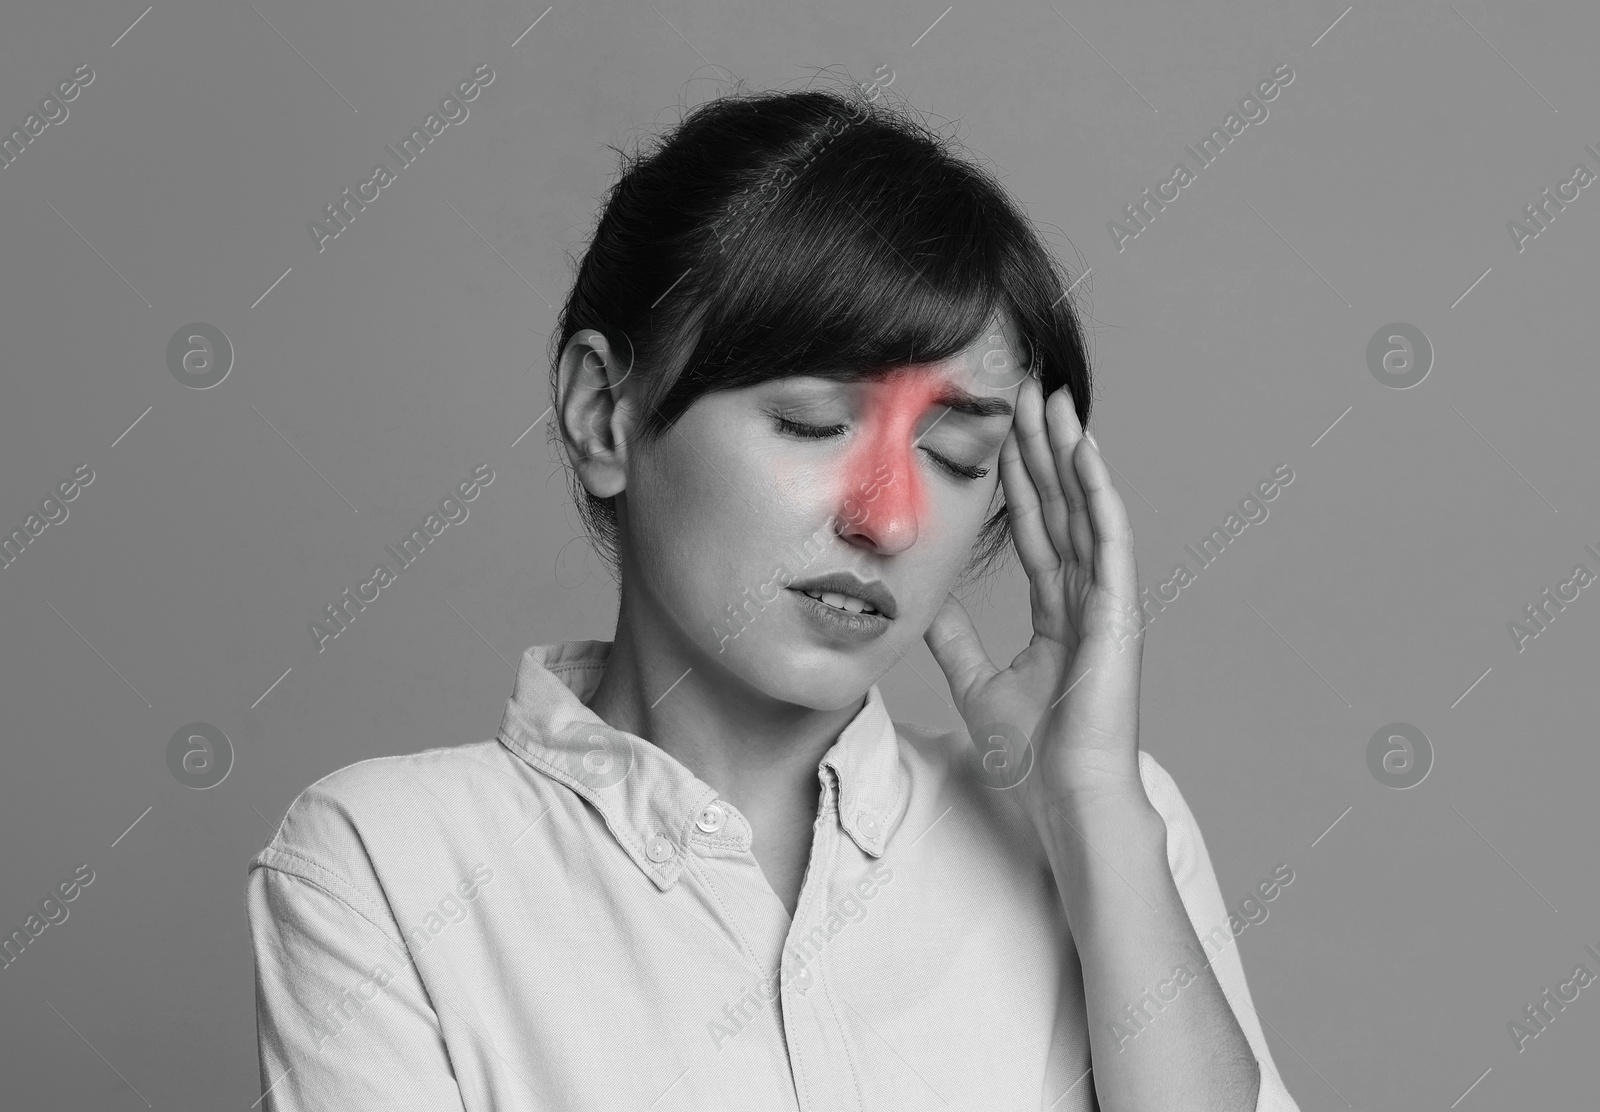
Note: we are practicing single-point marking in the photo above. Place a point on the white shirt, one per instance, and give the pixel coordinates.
(565, 917)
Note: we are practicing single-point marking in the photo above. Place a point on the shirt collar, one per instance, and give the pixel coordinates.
(651, 802)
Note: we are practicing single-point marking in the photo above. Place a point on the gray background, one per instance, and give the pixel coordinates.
(1228, 338)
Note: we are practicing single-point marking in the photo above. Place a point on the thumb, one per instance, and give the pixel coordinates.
(954, 642)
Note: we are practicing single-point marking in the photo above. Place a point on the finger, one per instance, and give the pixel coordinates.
(1062, 421)
(954, 642)
(1033, 438)
(1032, 539)
(1114, 565)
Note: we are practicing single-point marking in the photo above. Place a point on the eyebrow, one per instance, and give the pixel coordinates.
(950, 396)
(957, 399)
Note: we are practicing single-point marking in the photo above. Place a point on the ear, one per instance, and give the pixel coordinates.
(595, 416)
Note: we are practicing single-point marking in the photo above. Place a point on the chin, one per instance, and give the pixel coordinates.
(783, 665)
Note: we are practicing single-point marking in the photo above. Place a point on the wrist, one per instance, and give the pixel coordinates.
(1123, 817)
(1080, 823)
(1102, 858)
(1094, 787)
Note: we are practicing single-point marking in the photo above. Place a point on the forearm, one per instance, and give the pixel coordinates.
(1162, 1034)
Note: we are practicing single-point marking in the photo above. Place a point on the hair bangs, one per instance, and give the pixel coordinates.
(857, 266)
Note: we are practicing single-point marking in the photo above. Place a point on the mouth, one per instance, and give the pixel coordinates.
(832, 617)
(842, 602)
(848, 593)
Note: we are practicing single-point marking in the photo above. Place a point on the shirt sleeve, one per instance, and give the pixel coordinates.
(342, 1019)
(1196, 882)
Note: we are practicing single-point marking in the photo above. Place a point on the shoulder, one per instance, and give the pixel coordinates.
(1186, 846)
(946, 760)
(1162, 788)
(339, 831)
(950, 753)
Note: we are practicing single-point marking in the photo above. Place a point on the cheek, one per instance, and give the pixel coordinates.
(790, 477)
(672, 505)
(708, 515)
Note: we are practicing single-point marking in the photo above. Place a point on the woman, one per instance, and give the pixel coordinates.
(815, 370)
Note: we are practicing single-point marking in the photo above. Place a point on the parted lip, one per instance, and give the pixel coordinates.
(848, 583)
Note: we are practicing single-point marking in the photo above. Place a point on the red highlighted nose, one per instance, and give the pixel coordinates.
(881, 495)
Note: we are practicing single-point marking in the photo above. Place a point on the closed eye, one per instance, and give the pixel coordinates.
(820, 432)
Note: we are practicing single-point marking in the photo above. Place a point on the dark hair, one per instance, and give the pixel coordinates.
(773, 234)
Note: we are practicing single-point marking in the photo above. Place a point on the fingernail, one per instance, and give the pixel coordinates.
(1091, 439)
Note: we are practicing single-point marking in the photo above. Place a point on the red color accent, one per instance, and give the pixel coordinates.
(881, 489)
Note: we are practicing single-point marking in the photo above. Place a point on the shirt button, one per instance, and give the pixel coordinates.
(868, 824)
(658, 849)
(712, 818)
(802, 979)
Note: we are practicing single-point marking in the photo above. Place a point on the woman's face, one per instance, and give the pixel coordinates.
(758, 493)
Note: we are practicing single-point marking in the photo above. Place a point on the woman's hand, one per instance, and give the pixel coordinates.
(1069, 703)
(1061, 724)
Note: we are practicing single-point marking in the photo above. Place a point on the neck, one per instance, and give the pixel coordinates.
(760, 753)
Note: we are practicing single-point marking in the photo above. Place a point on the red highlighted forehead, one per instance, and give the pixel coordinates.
(906, 393)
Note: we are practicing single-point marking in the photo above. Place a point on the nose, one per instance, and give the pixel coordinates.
(879, 507)
(882, 500)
